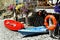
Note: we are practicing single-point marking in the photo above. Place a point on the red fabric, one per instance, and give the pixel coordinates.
(10, 25)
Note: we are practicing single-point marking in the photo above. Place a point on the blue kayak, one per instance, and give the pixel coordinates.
(33, 30)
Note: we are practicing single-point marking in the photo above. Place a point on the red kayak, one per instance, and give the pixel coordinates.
(13, 25)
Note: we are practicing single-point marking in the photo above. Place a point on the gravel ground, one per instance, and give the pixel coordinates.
(6, 34)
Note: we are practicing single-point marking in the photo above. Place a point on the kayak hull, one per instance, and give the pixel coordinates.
(33, 30)
(13, 25)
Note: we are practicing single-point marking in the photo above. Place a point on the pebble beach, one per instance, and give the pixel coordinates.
(6, 34)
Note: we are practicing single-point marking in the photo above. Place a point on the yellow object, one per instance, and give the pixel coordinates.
(19, 6)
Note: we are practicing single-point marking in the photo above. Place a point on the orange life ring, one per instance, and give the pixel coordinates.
(13, 25)
(53, 26)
